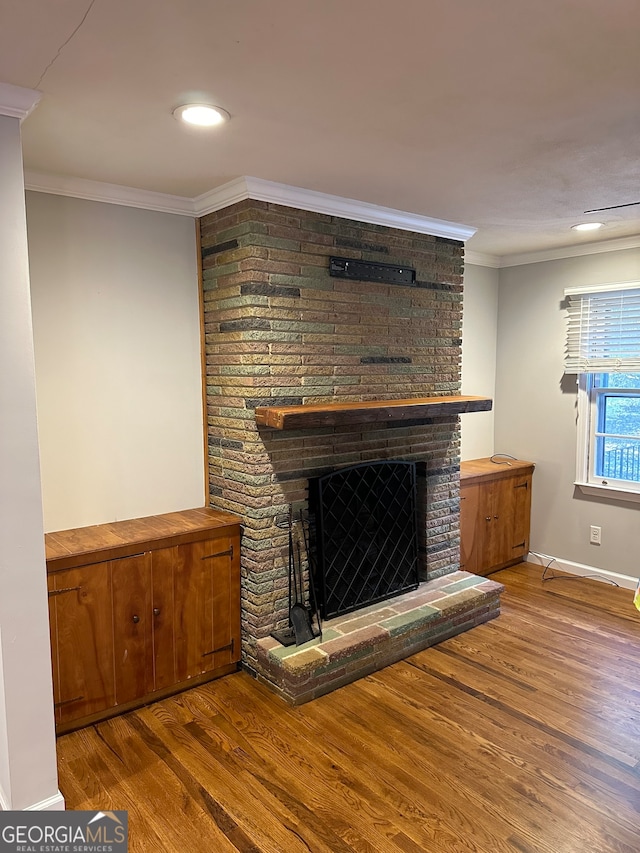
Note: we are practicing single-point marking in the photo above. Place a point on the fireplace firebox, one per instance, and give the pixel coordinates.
(366, 535)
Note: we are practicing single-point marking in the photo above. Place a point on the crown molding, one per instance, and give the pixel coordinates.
(240, 189)
(479, 259)
(16, 101)
(109, 193)
(331, 205)
(574, 251)
(223, 196)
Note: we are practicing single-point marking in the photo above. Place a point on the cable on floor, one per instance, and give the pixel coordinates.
(567, 576)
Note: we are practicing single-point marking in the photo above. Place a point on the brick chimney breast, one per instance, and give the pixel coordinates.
(279, 330)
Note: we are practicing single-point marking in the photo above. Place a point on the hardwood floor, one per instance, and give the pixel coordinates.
(520, 735)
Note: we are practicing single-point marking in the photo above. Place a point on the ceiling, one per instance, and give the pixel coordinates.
(511, 116)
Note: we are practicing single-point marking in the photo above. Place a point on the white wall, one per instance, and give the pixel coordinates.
(536, 410)
(118, 373)
(479, 329)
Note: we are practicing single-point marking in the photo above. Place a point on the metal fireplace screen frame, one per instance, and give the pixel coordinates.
(366, 534)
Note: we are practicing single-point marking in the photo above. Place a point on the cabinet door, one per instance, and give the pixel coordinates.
(132, 627)
(205, 629)
(470, 527)
(84, 641)
(163, 563)
(521, 516)
(498, 508)
(505, 507)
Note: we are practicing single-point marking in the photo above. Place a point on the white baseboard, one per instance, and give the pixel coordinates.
(54, 803)
(625, 581)
(51, 804)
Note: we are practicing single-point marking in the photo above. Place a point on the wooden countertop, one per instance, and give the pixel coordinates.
(492, 467)
(66, 549)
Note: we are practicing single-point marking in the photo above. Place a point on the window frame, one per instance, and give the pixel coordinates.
(588, 412)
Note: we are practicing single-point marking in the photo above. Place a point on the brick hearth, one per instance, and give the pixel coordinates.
(367, 640)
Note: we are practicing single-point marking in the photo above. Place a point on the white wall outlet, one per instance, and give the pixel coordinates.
(595, 535)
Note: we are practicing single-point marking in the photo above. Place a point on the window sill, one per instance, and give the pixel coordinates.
(610, 492)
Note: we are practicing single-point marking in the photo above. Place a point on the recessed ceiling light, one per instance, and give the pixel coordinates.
(202, 115)
(588, 226)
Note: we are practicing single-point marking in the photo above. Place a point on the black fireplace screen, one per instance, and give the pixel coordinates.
(366, 534)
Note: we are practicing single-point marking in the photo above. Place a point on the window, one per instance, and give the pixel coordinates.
(603, 348)
(614, 422)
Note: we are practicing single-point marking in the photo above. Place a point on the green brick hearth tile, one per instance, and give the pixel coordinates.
(457, 586)
(281, 652)
(441, 582)
(458, 600)
(330, 634)
(411, 619)
(357, 620)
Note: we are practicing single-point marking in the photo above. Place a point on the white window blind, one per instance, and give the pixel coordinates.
(603, 329)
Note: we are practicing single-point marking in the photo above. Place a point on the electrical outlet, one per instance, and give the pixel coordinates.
(595, 536)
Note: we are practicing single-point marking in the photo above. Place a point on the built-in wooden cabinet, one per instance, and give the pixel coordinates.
(139, 609)
(495, 510)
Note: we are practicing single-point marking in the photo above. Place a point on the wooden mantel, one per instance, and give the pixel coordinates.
(374, 411)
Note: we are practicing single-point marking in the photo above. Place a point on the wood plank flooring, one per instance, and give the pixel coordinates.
(520, 735)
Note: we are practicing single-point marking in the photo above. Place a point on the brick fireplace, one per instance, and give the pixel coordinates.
(280, 331)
